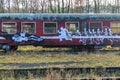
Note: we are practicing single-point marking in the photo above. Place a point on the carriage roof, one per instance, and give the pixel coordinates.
(60, 16)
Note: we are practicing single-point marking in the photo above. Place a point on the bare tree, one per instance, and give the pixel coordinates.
(60, 6)
(15, 6)
(2, 6)
(8, 6)
(42, 5)
(87, 6)
(68, 6)
(33, 6)
(24, 6)
(117, 3)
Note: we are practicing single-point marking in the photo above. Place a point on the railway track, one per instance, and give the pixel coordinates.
(73, 51)
(100, 72)
(62, 51)
(111, 78)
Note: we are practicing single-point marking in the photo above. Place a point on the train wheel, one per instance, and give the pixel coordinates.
(78, 48)
(81, 48)
(75, 48)
(13, 48)
(90, 48)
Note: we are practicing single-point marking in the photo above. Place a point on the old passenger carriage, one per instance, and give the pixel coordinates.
(59, 30)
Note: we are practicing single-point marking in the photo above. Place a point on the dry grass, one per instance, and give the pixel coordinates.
(26, 55)
(54, 75)
(85, 59)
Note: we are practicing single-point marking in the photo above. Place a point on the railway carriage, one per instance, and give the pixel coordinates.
(79, 31)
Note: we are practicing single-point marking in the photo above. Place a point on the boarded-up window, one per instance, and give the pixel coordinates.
(95, 25)
(28, 27)
(115, 26)
(50, 27)
(9, 27)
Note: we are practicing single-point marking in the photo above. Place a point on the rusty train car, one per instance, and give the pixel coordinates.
(77, 30)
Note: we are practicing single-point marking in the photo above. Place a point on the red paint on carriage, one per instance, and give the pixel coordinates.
(59, 30)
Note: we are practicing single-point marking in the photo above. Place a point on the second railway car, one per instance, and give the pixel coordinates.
(59, 30)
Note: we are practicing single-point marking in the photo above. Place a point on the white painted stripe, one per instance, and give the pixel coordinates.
(49, 37)
(79, 37)
(2, 38)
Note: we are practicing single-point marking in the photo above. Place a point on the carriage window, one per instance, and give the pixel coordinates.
(10, 28)
(115, 27)
(28, 28)
(72, 26)
(95, 25)
(50, 28)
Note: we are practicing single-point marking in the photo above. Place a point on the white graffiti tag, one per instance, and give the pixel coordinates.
(64, 34)
(90, 36)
